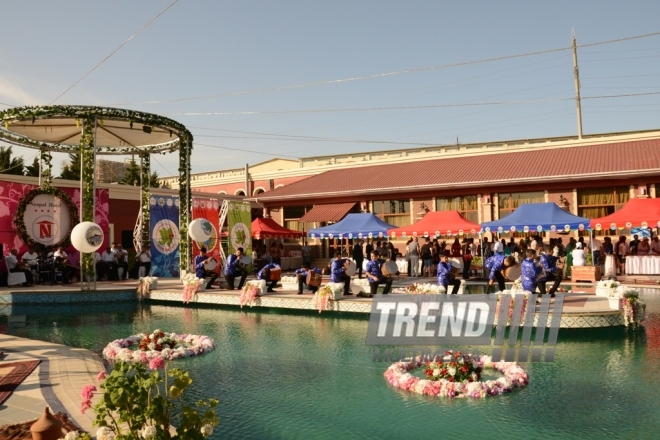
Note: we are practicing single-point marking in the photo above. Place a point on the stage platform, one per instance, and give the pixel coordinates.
(581, 309)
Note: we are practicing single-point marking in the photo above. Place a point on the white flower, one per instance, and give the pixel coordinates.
(73, 435)
(105, 433)
(436, 372)
(206, 430)
(451, 371)
(148, 432)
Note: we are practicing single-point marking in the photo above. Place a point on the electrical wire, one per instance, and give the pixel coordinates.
(245, 151)
(113, 52)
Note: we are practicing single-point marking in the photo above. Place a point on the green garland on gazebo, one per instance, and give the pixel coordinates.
(19, 223)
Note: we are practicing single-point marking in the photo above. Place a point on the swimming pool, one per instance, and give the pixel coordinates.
(304, 375)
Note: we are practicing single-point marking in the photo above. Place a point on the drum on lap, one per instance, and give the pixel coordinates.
(313, 279)
(351, 268)
(275, 274)
(389, 268)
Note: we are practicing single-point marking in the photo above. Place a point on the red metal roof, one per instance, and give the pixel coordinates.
(327, 213)
(601, 160)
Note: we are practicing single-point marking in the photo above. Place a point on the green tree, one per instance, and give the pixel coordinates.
(32, 170)
(9, 165)
(132, 175)
(72, 171)
(153, 180)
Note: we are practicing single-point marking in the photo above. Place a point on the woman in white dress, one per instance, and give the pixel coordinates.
(610, 259)
(579, 259)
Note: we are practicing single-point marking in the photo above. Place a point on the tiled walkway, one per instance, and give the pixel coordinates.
(56, 382)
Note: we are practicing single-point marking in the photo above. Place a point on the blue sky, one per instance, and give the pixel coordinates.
(204, 48)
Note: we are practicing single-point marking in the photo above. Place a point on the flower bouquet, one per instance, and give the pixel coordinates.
(145, 284)
(425, 289)
(633, 308)
(515, 290)
(326, 294)
(158, 344)
(456, 367)
(251, 291)
(607, 287)
(191, 285)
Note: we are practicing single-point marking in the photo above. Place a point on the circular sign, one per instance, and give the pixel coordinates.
(414, 234)
(580, 227)
(645, 225)
(240, 236)
(331, 235)
(165, 236)
(370, 235)
(212, 240)
(313, 235)
(437, 233)
(87, 237)
(321, 235)
(426, 233)
(500, 229)
(628, 225)
(473, 231)
(341, 236)
(359, 234)
(350, 235)
(403, 234)
(200, 229)
(567, 228)
(393, 234)
(513, 229)
(599, 226)
(487, 229)
(380, 235)
(539, 228)
(613, 226)
(449, 232)
(525, 228)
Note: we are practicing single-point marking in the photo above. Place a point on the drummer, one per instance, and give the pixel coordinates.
(200, 270)
(445, 277)
(233, 268)
(553, 273)
(375, 275)
(496, 264)
(302, 277)
(338, 272)
(531, 272)
(264, 274)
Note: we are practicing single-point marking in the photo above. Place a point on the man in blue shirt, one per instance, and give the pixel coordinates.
(553, 273)
(200, 271)
(445, 278)
(302, 277)
(374, 273)
(530, 272)
(264, 274)
(496, 264)
(233, 268)
(338, 274)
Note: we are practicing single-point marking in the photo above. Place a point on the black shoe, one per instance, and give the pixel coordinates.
(363, 295)
(209, 287)
(299, 293)
(348, 293)
(269, 290)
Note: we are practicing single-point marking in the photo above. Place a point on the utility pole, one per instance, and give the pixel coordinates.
(576, 73)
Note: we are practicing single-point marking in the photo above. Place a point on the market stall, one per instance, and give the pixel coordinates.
(636, 213)
(353, 226)
(267, 228)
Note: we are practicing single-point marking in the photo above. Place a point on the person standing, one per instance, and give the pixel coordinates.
(610, 258)
(633, 245)
(233, 268)
(596, 245)
(579, 257)
(369, 248)
(622, 249)
(644, 247)
(301, 274)
(200, 261)
(375, 274)
(569, 257)
(427, 258)
(413, 253)
(358, 256)
(445, 277)
(144, 260)
(338, 273)
(121, 258)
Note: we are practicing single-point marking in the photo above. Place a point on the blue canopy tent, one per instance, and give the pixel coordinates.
(353, 226)
(537, 217)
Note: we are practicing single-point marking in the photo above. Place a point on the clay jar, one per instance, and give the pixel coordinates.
(47, 427)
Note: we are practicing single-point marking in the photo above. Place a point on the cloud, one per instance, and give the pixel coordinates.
(12, 93)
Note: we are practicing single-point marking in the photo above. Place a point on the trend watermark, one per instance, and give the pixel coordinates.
(468, 320)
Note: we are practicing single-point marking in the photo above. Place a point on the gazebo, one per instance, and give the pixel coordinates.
(353, 226)
(438, 223)
(636, 213)
(537, 217)
(91, 131)
(269, 228)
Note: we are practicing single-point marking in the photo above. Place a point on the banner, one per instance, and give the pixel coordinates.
(164, 234)
(210, 210)
(45, 219)
(239, 225)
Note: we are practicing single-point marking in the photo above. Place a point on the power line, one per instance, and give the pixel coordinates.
(246, 151)
(381, 75)
(113, 52)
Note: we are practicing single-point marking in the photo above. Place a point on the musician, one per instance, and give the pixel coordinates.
(144, 260)
(121, 260)
(553, 273)
(301, 274)
(264, 274)
(530, 272)
(445, 277)
(234, 268)
(61, 261)
(338, 272)
(14, 266)
(30, 258)
(374, 273)
(107, 265)
(496, 264)
(200, 271)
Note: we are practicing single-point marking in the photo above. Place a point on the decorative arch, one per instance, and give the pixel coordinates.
(258, 190)
(239, 192)
(223, 192)
(279, 186)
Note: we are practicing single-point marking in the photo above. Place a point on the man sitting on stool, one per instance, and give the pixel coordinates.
(200, 271)
(337, 273)
(14, 267)
(301, 274)
(233, 268)
(374, 273)
(264, 274)
(549, 263)
(496, 264)
(445, 277)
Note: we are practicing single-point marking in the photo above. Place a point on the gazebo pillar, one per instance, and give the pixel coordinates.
(184, 200)
(145, 176)
(87, 196)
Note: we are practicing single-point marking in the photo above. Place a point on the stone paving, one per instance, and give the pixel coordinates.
(56, 382)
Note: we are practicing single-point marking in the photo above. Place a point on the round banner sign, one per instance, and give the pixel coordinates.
(166, 236)
(240, 236)
(47, 220)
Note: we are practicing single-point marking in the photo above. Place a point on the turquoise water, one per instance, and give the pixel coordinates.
(290, 376)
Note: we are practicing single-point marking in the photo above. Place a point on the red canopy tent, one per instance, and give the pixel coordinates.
(438, 223)
(269, 228)
(644, 213)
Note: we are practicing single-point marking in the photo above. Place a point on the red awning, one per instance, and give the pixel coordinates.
(328, 213)
(636, 213)
(438, 223)
(269, 228)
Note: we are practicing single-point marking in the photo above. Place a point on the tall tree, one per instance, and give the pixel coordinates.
(9, 165)
(153, 180)
(32, 170)
(132, 175)
(72, 171)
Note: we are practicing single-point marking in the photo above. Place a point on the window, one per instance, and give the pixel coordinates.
(292, 216)
(599, 202)
(508, 202)
(394, 212)
(466, 205)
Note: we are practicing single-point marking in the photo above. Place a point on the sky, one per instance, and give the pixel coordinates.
(255, 80)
